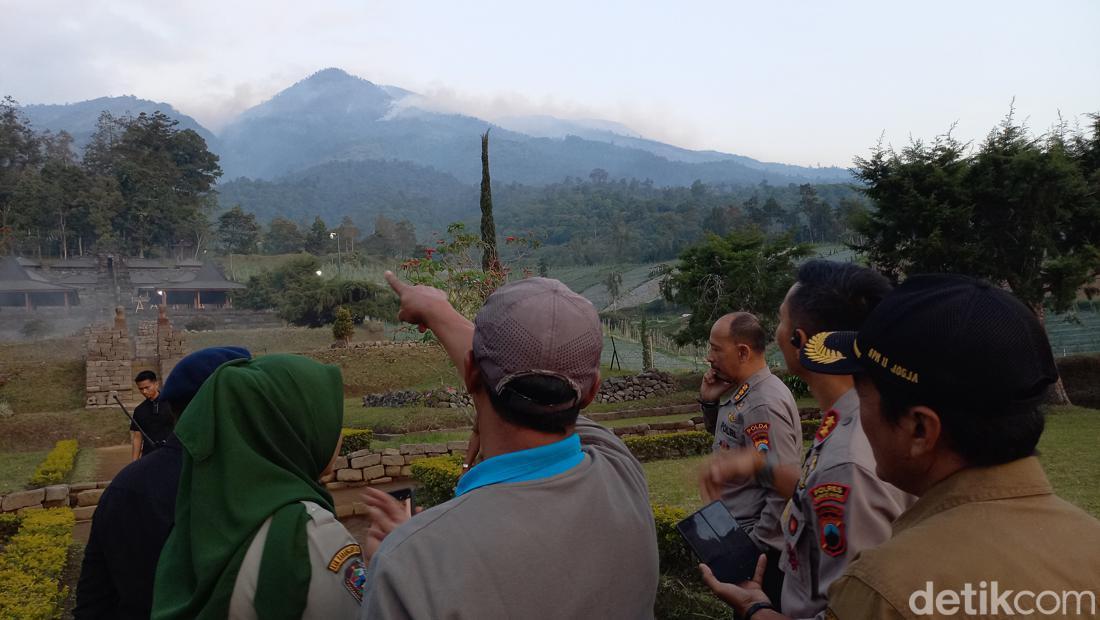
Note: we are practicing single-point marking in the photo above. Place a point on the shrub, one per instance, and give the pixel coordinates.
(437, 478)
(200, 324)
(342, 327)
(34, 329)
(9, 525)
(32, 563)
(680, 591)
(5, 409)
(670, 445)
(356, 439)
(809, 428)
(1081, 377)
(58, 464)
(795, 384)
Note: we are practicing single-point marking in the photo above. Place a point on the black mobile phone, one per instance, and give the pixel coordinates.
(720, 543)
(405, 494)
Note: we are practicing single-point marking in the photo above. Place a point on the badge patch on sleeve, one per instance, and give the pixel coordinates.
(829, 500)
(355, 577)
(343, 555)
(758, 433)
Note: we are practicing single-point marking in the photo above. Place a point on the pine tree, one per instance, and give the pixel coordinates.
(489, 258)
(342, 327)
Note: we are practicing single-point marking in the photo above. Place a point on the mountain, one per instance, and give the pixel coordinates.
(79, 119)
(332, 116)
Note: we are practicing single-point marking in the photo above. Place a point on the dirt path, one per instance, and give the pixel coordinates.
(110, 461)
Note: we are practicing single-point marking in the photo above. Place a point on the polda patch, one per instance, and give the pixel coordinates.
(758, 433)
(829, 500)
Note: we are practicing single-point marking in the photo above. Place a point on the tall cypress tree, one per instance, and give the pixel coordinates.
(489, 258)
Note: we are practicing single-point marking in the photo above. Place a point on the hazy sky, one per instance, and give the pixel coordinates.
(800, 82)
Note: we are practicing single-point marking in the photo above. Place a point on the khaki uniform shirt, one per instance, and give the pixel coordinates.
(337, 570)
(761, 415)
(580, 544)
(839, 509)
(999, 525)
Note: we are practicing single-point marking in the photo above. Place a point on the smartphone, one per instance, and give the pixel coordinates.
(405, 494)
(720, 543)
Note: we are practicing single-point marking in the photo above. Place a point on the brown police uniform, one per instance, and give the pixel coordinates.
(760, 414)
(983, 524)
(839, 509)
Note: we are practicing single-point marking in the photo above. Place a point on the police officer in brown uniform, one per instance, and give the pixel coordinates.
(838, 506)
(952, 373)
(749, 408)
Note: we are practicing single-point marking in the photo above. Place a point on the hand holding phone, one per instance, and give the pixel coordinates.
(720, 543)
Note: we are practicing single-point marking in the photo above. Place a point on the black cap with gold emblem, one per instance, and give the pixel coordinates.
(944, 337)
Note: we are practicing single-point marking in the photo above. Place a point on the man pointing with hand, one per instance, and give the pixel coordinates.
(556, 499)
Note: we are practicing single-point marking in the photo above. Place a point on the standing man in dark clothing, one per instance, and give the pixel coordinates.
(153, 419)
(137, 511)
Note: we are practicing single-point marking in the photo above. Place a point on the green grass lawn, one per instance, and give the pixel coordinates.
(402, 419)
(85, 467)
(32, 386)
(40, 431)
(1068, 451)
(428, 437)
(648, 419)
(16, 468)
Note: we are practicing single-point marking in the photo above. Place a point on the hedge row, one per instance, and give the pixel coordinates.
(59, 462)
(9, 525)
(356, 439)
(31, 566)
(670, 445)
(437, 478)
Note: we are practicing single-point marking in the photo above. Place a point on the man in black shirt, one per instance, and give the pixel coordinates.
(137, 511)
(153, 419)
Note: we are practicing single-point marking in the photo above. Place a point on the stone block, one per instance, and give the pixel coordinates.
(406, 471)
(375, 471)
(349, 475)
(458, 445)
(22, 499)
(82, 486)
(435, 448)
(391, 452)
(344, 511)
(393, 460)
(84, 514)
(57, 503)
(359, 454)
(336, 486)
(341, 462)
(88, 498)
(367, 460)
(359, 508)
(382, 480)
(57, 492)
(393, 470)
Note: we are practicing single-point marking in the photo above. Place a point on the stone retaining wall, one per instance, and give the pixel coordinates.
(82, 498)
(648, 384)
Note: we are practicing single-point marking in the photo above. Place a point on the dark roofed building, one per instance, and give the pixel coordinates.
(204, 288)
(22, 288)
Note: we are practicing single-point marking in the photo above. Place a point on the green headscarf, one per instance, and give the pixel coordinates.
(256, 438)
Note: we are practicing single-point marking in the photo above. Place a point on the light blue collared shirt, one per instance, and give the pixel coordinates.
(524, 465)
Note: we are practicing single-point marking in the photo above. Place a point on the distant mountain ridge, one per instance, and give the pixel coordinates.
(332, 116)
(79, 119)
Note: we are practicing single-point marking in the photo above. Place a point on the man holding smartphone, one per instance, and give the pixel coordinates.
(749, 408)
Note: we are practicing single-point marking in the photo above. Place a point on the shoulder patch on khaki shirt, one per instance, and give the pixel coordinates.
(829, 500)
(342, 556)
(758, 433)
(355, 577)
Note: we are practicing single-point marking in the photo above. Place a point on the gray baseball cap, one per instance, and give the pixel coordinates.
(537, 326)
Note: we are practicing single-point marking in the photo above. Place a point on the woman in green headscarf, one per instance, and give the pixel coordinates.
(255, 536)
